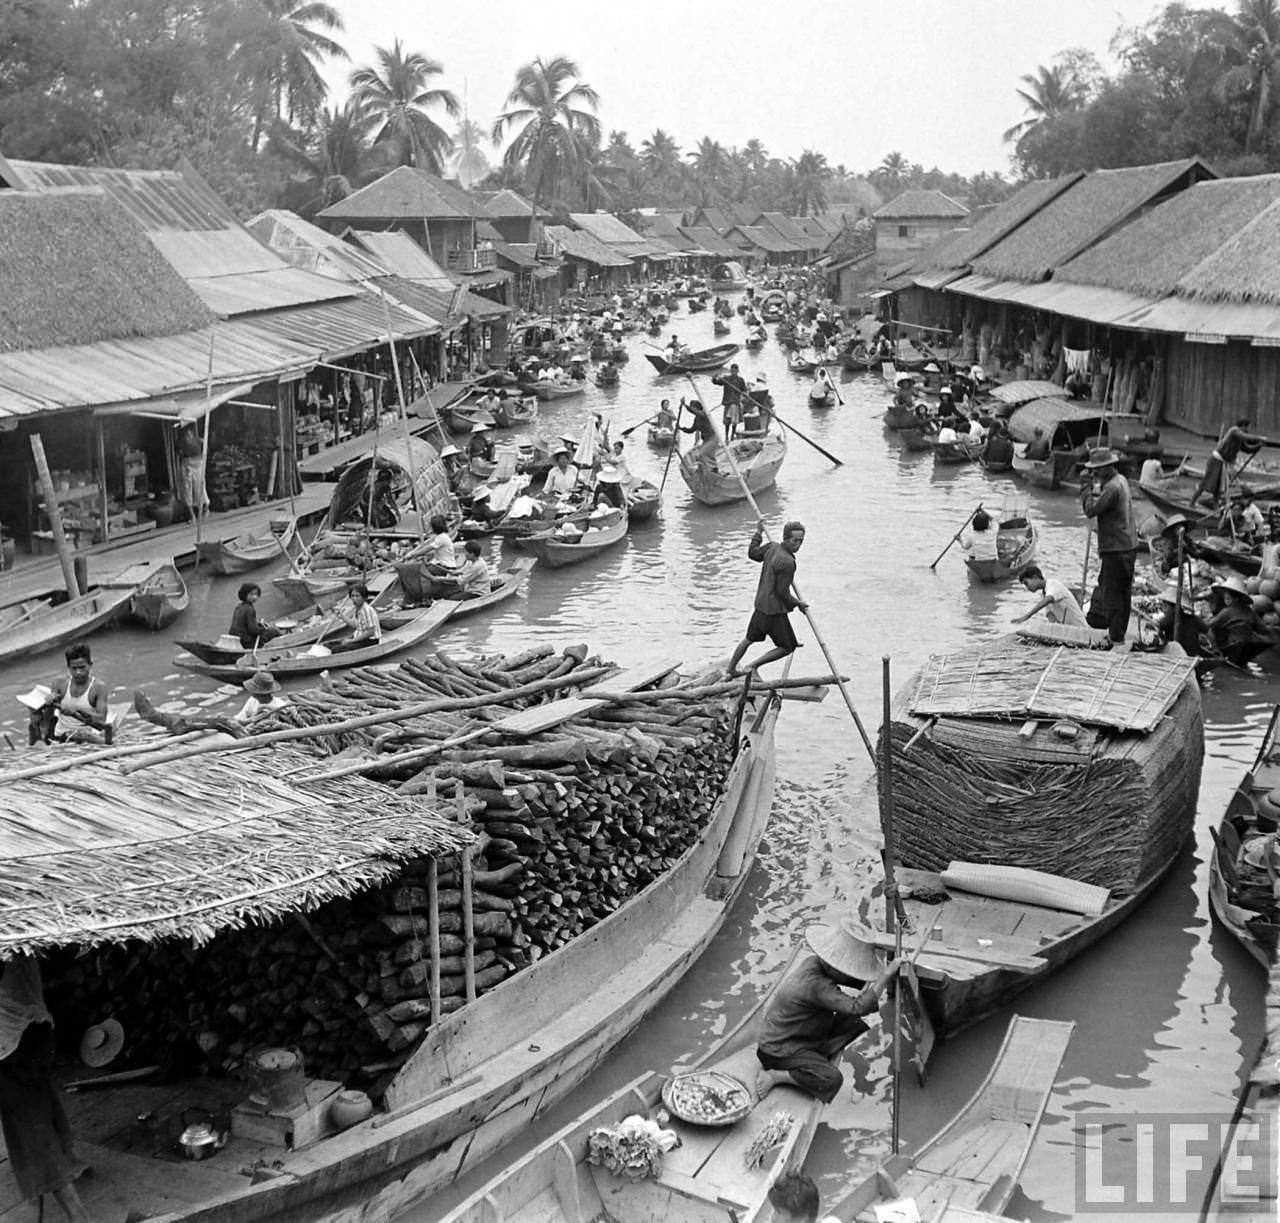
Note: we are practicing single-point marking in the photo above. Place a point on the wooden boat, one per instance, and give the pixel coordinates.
(463, 417)
(1015, 550)
(560, 551)
(1052, 472)
(484, 1073)
(694, 362)
(160, 598)
(662, 436)
(643, 501)
(46, 626)
(607, 377)
(619, 355)
(704, 1178)
(711, 479)
(755, 339)
(556, 390)
(1222, 550)
(720, 327)
(513, 411)
(1032, 881)
(505, 584)
(773, 306)
(696, 304)
(915, 438)
(241, 553)
(654, 327)
(1245, 856)
(725, 277)
(976, 1160)
(821, 395)
(901, 416)
(801, 365)
(960, 451)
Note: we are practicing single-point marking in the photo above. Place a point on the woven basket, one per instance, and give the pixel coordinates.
(1031, 887)
(1065, 634)
(715, 1081)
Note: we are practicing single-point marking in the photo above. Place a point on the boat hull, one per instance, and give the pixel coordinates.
(522, 1046)
(242, 553)
(718, 484)
(644, 502)
(1015, 550)
(696, 362)
(59, 625)
(551, 552)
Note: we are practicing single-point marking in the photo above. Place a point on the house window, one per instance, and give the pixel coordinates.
(904, 231)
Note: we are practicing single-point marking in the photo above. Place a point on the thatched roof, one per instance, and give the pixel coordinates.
(351, 495)
(1153, 254)
(707, 239)
(919, 205)
(76, 269)
(1082, 215)
(712, 218)
(785, 226)
(764, 238)
(507, 203)
(1048, 414)
(578, 244)
(183, 850)
(606, 228)
(1244, 268)
(406, 194)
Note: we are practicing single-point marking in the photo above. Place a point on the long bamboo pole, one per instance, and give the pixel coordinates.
(894, 916)
(808, 615)
(45, 477)
(202, 495)
(404, 422)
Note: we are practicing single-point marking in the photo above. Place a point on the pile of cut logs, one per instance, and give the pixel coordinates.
(569, 822)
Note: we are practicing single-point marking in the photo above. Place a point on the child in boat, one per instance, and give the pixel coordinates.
(980, 543)
(246, 625)
(665, 419)
(361, 619)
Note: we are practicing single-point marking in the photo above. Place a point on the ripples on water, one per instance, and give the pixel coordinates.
(1168, 1008)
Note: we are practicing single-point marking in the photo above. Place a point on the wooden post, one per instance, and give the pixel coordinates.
(468, 908)
(202, 494)
(55, 517)
(103, 500)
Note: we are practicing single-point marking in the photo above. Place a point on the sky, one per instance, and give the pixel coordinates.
(855, 79)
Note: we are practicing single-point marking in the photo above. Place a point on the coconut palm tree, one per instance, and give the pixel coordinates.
(660, 156)
(710, 165)
(1049, 94)
(469, 163)
(755, 155)
(278, 52)
(333, 156)
(550, 110)
(891, 174)
(394, 98)
(1254, 33)
(810, 186)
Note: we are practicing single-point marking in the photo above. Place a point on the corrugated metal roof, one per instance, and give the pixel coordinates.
(605, 227)
(402, 256)
(313, 249)
(249, 292)
(936, 280)
(578, 244)
(1206, 321)
(125, 371)
(340, 328)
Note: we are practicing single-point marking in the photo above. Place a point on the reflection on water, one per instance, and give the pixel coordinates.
(1167, 1007)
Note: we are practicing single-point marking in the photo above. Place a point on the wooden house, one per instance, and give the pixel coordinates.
(589, 263)
(913, 221)
(765, 245)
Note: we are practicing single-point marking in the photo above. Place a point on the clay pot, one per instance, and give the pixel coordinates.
(349, 1108)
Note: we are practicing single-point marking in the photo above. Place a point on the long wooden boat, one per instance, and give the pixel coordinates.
(463, 417)
(160, 598)
(505, 584)
(694, 362)
(975, 1162)
(491, 1069)
(720, 327)
(643, 501)
(900, 416)
(1015, 550)
(556, 390)
(704, 1178)
(961, 451)
(1000, 735)
(46, 626)
(1242, 866)
(512, 412)
(241, 553)
(558, 552)
(712, 480)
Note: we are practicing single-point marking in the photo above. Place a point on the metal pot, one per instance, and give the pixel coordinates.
(201, 1140)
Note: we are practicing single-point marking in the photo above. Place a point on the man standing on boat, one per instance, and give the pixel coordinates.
(1218, 470)
(811, 1019)
(774, 597)
(734, 386)
(1111, 503)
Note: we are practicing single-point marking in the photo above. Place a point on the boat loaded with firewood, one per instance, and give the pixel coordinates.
(462, 941)
(1040, 793)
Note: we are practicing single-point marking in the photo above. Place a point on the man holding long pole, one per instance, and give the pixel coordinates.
(774, 597)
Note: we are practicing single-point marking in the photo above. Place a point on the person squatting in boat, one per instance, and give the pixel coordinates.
(774, 597)
(811, 1019)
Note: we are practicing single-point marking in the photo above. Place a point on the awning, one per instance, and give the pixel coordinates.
(545, 273)
(1208, 322)
(342, 328)
(187, 406)
(490, 276)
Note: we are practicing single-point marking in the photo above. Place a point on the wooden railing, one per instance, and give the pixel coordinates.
(474, 260)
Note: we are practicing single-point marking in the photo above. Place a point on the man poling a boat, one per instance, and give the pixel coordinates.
(704, 428)
(811, 1019)
(774, 597)
(1111, 504)
(1218, 469)
(734, 387)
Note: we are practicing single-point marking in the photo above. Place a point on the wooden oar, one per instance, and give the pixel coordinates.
(629, 432)
(808, 615)
(956, 536)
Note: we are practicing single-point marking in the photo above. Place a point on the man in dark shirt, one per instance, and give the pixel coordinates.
(1111, 503)
(704, 429)
(811, 1019)
(774, 598)
(735, 387)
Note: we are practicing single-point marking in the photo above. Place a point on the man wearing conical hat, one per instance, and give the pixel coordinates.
(811, 1019)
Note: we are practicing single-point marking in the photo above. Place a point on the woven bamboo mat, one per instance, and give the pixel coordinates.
(1126, 691)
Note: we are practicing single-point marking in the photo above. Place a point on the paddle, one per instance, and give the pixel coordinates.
(641, 425)
(956, 536)
(808, 615)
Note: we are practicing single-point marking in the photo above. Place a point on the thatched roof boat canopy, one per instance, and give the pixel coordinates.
(1084, 214)
(91, 856)
(1025, 390)
(1048, 414)
(1210, 224)
(351, 498)
(1128, 692)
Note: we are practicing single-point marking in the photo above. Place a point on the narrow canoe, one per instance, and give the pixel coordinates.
(643, 501)
(493, 1068)
(557, 390)
(505, 584)
(694, 362)
(915, 439)
(463, 417)
(1044, 473)
(821, 397)
(241, 553)
(963, 451)
(510, 413)
(558, 553)
(160, 599)
(47, 626)
(712, 481)
(661, 436)
(719, 327)
(1241, 890)
(976, 1160)
(970, 823)
(1015, 550)
(704, 1179)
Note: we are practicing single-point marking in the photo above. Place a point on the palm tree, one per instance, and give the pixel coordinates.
(1049, 94)
(711, 167)
(891, 173)
(469, 163)
(755, 155)
(660, 156)
(1255, 32)
(277, 56)
(811, 177)
(619, 150)
(333, 156)
(395, 97)
(553, 131)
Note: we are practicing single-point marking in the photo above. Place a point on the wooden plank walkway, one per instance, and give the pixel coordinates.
(543, 717)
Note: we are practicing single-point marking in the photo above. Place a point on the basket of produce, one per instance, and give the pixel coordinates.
(707, 1097)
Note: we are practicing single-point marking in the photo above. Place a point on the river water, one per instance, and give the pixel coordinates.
(1168, 1008)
